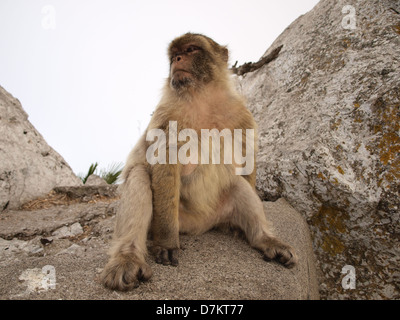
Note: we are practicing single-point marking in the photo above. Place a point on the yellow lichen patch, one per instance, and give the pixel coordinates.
(395, 168)
(332, 245)
(332, 223)
(335, 218)
(341, 171)
(393, 173)
(386, 112)
(335, 125)
(397, 28)
(389, 146)
(356, 105)
(321, 176)
(377, 128)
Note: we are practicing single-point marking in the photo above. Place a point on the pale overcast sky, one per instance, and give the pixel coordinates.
(89, 72)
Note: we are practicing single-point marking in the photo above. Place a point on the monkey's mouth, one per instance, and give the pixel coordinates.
(181, 70)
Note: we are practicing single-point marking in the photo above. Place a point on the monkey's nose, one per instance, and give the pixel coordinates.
(178, 58)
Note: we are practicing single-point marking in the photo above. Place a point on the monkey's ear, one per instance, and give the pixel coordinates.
(225, 54)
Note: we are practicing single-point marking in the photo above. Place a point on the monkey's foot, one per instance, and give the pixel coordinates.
(281, 252)
(166, 256)
(124, 273)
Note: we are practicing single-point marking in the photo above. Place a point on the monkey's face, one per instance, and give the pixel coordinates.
(190, 66)
(195, 61)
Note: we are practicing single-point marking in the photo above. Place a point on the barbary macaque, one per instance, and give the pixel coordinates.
(167, 192)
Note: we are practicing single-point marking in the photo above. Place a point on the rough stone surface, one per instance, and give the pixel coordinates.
(68, 231)
(95, 180)
(328, 110)
(29, 167)
(212, 266)
(89, 191)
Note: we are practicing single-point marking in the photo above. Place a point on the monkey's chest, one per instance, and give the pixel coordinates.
(188, 169)
(202, 184)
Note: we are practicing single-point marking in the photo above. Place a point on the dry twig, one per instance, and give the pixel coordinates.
(253, 66)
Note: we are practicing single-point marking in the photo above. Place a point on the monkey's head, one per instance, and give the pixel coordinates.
(195, 60)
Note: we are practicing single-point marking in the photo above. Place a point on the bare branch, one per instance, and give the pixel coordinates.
(253, 66)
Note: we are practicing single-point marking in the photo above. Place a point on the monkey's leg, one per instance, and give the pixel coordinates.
(165, 181)
(127, 264)
(245, 209)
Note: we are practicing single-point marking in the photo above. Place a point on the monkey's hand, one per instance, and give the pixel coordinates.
(124, 272)
(166, 256)
(283, 253)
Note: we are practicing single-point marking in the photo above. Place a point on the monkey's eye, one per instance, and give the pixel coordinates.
(189, 49)
(192, 48)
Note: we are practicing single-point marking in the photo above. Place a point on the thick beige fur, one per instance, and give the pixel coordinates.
(168, 199)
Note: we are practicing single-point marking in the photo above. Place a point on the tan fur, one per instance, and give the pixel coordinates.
(170, 198)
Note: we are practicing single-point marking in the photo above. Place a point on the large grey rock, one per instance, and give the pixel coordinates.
(214, 265)
(95, 180)
(328, 110)
(29, 167)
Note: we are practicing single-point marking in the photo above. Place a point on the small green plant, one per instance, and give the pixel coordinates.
(92, 170)
(110, 175)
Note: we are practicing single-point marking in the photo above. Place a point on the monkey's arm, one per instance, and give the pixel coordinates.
(165, 182)
(249, 123)
(251, 178)
(127, 264)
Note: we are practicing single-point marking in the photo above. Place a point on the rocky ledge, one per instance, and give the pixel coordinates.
(56, 250)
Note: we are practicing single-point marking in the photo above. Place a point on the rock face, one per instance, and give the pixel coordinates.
(328, 110)
(58, 253)
(29, 167)
(95, 180)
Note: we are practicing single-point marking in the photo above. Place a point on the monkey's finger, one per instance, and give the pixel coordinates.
(269, 254)
(288, 258)
(145, 272)
(129, 281)
(164, 257)
(158, 253)
(282, 253)
(173, 256)
(120, 277)
(285, 257)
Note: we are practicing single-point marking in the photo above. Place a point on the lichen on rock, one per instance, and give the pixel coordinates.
(328, 110)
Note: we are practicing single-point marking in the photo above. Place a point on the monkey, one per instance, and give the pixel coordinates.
(167, 199)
